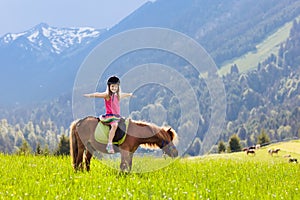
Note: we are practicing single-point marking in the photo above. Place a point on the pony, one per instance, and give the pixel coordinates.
(272, 151)
(250, 149)
(82, 139)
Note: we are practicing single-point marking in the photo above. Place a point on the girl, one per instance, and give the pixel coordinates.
(111, 98)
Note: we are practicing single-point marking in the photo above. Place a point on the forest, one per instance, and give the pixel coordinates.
(261, 101)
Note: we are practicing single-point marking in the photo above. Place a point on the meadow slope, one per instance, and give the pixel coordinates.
(219, 176)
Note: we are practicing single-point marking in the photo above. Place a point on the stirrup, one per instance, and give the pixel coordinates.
(109, 148)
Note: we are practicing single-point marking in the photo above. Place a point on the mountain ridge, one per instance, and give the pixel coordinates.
(48, 60)
(43, 35)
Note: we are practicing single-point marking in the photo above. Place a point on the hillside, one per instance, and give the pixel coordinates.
(43, 66)
(225, 29)
(288, 149)
(292, 147)
(222, 176)
(270, 45)
(263, 99)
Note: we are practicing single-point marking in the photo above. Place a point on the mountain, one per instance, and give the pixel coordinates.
(40, 64)
(43, 38)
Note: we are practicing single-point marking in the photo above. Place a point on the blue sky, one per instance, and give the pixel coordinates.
(21, 15)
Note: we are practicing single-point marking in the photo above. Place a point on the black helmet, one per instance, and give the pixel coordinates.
(113, 80)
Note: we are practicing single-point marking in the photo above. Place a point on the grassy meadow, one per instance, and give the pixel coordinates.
(222, 176)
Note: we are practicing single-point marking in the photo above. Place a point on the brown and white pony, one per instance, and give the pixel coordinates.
(82, 139)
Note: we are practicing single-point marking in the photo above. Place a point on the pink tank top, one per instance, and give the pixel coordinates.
(112, 105)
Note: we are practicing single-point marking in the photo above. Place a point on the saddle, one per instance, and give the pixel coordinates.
(102, 132)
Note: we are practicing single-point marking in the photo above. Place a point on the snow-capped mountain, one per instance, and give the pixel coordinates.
(42, 62)
(55, 40)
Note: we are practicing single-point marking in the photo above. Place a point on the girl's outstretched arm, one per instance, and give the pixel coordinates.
(96, 95)
(123, 95)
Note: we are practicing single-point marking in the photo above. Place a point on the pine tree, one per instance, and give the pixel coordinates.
(38, 150)
(263, 138)
(63, 146)
(25, 149)
(234, 143)
(221, 147)
(46, 150)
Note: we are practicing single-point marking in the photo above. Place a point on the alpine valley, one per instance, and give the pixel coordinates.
(39, 66)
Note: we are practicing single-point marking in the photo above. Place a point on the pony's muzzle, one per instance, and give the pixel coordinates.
(170, 150)
(174, 153)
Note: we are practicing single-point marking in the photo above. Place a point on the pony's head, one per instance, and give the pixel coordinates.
(159, 137)
(168, 140)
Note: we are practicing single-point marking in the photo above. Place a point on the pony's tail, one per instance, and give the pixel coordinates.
(73, 144)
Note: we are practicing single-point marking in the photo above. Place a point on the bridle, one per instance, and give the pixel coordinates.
(165, 144)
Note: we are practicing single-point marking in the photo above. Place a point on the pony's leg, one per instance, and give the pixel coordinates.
(130, 161)
(79, 159)
(74, 145)
(73, 150)
(126, 160)
(80, 152)
(88, 157)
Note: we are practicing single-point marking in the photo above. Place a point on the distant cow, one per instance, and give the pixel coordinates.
(293, 160)
(245, 149)
(251, 151)
(252, 147)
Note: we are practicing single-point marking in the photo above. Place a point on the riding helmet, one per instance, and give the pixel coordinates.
(113, 80)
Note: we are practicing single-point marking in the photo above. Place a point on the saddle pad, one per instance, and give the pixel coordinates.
(102, 132)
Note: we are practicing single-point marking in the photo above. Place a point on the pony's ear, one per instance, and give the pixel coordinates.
(171, 133)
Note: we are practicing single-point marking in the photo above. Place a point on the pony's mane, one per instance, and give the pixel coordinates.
(143, 123)
(171, 132)
(162, 133)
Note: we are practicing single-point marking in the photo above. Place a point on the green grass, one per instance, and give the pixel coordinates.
(225, 176)
(270, 45)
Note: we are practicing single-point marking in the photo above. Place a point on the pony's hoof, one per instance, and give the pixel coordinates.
(125, 168)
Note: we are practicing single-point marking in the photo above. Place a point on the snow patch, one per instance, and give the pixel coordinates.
(33, 37)
(54, 39)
